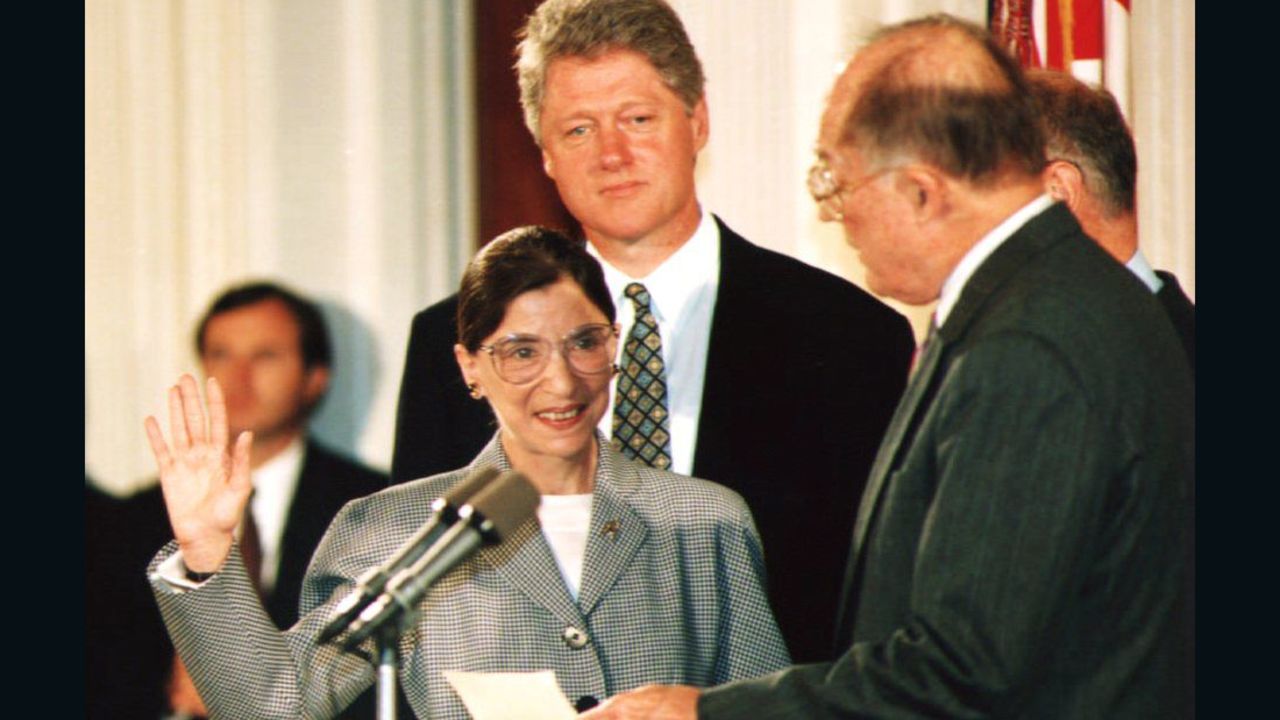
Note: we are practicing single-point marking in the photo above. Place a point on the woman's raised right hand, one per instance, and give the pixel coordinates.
(206, 484)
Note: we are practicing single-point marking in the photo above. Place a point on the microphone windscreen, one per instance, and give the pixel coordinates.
(459, 494)
(507, 502)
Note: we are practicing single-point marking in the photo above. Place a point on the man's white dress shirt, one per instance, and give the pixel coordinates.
(1139, 266)
(682, 291)
(273, 487)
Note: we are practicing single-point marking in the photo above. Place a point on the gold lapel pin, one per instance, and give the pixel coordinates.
(610, 530)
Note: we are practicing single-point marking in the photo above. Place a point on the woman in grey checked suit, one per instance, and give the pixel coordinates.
(632, 576)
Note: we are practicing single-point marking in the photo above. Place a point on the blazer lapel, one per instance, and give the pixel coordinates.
(890, 447)
(616, 532)
(524, 559)
(306, 521)
(525, 562)
(1032, 238)
(917, 389)
(730, 336)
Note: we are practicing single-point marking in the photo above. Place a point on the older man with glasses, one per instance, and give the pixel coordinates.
(1023, 543)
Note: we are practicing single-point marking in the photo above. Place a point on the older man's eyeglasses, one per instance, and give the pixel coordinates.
(588, 350)
(828, 193)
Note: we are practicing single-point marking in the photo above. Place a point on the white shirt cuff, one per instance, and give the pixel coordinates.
(173, 572)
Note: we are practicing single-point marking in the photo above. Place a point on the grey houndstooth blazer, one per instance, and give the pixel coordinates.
(673, 596)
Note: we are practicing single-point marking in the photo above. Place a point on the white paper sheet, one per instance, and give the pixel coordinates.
(511, 695)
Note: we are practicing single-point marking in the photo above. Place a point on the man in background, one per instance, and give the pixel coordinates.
(1093, 168)
(1021, 547)
(270, 351)
(740, 365)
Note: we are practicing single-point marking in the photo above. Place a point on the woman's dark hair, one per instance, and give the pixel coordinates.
(515, 262)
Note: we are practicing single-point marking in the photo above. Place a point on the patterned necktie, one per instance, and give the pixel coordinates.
(251, 547)
(640, 424)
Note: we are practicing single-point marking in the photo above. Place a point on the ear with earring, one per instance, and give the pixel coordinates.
(473, 390)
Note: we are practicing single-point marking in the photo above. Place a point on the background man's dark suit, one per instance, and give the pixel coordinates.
(1021, 546)
(134, 672)
(803, 371)
(1181, 313)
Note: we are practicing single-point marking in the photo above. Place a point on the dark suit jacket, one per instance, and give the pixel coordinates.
(109, 567)
(1020, 548)
(1181, 313)
(803, 372)
(143, 652)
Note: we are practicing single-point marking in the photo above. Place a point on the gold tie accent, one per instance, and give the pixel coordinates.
(640, 416)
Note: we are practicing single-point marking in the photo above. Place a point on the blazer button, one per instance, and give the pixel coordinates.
(585, 703)
(574, 638)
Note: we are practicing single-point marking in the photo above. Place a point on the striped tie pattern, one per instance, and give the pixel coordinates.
(640, 424)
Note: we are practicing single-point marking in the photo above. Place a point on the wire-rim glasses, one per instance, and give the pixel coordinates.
(828, 192)
(588, 350)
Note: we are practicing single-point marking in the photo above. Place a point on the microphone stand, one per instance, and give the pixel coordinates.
(388, 646)
(490, 516)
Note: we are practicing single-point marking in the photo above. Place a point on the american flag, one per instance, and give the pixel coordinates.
(1088, 38)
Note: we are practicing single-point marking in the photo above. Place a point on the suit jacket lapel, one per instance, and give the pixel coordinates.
(890, 447)
(917, 389)
(1032, 238)
(524, 559)
(726, 341)
(616, 531)
(305, 523)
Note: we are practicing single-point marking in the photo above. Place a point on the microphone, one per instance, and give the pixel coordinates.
(489, 517)
(370, 584)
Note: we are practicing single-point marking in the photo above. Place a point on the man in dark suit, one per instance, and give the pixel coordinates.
(270, 350)
(1020, 548)
(780, 378)
(1093, 168)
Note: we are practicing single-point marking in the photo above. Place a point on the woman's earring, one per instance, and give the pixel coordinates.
(474, 391)
(616, 368)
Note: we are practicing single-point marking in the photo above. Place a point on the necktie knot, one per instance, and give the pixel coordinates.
(639, 295)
